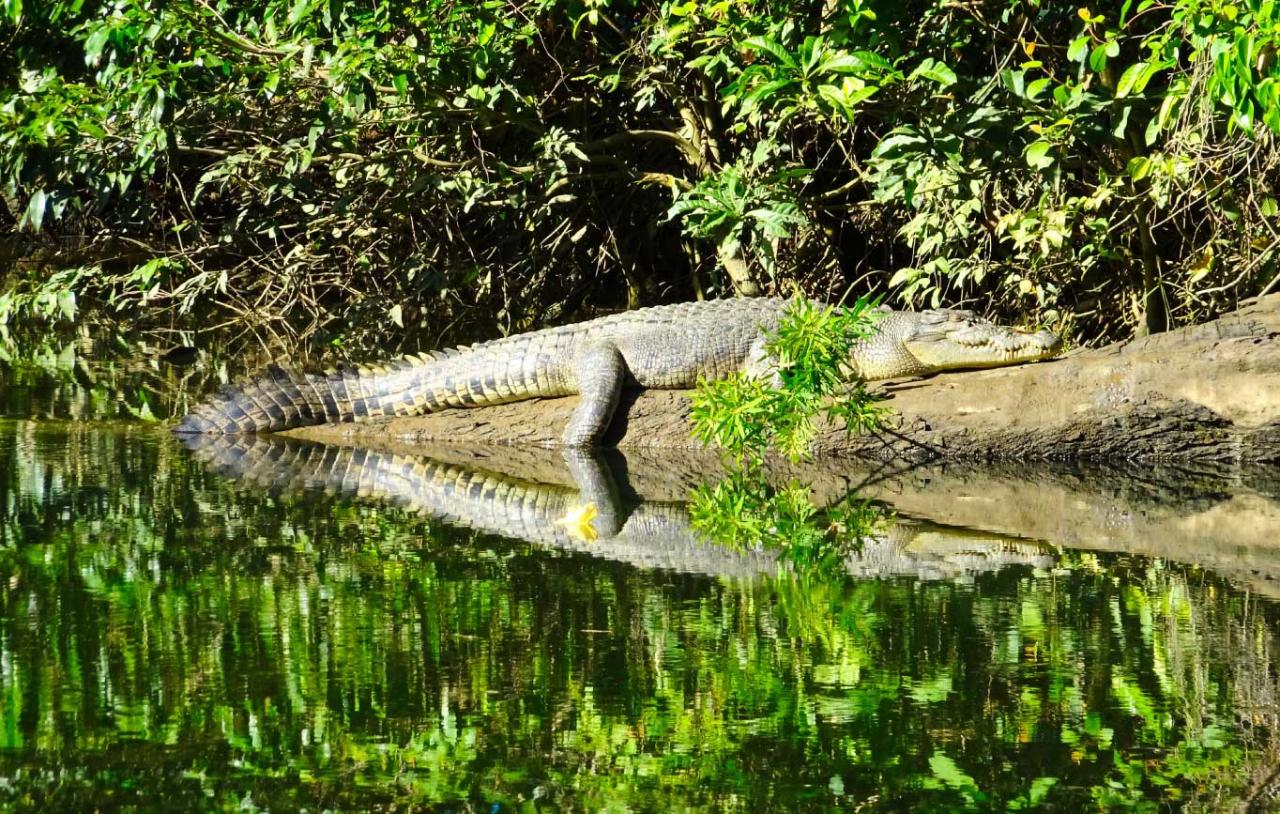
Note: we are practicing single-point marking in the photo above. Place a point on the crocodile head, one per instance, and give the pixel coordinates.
(953, 340)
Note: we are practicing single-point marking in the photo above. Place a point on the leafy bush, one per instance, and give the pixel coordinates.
(381, 167)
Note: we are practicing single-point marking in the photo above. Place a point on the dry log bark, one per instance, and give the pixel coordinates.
(1209, 392)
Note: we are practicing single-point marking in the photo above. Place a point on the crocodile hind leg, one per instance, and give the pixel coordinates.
(600, 371)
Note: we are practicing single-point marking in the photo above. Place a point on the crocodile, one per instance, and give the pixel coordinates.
(648, 534)
(664, 347)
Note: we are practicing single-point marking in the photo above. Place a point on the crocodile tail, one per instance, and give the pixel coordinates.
(278, 399)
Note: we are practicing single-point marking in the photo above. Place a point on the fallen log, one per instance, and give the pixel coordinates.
(1207, 392)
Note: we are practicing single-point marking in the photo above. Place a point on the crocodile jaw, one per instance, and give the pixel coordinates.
(960, 341)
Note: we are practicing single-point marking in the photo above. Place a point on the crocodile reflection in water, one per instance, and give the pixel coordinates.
(588, 517)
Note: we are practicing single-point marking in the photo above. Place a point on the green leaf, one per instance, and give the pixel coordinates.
(1129, 78)
(903, 275)
(773, 48)
(94, 44)
(1148, 72)
(1037, 155)
(1271, 117)
(895, 141)
(810, 53)
(13, 9)
(1098, 58)
(860, 95)
(157, 106)
(872, 60)
(844, 63)
(760, 96)
(300, 9)
(1079, 48)
(1123, 124)
(1152, 132)
(935, 71)
(1139, 167)
(836, 99)
(776, 222)
(1037, 87)
(34, 216)
(1269, 207)
(1015, 81)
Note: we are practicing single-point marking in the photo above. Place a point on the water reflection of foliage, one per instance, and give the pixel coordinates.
(294, 651)
(744, 509)
(92, 374)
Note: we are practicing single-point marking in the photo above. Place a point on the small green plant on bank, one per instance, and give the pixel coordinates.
(748, 417)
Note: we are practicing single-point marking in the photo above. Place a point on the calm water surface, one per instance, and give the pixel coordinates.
(213, 631)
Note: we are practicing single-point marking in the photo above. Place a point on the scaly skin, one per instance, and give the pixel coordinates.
(650, 535)
(666, 347)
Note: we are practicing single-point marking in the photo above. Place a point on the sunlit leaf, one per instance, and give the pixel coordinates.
(1038, 155)
(34, 217)
(935, 71)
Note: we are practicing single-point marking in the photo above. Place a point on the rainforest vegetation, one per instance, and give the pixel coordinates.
(341, 175)
(343, 169)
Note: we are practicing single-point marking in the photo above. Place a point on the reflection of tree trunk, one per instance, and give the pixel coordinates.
(1208, 392)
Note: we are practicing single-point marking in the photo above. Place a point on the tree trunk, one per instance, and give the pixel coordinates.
(739, 272)
(1155, 303)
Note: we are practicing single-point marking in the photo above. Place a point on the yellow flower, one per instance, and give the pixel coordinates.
(577, 522)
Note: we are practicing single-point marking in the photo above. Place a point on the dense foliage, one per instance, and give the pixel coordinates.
(747, 414)
(377, 165)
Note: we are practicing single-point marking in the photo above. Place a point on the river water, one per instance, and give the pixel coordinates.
(259, 625)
